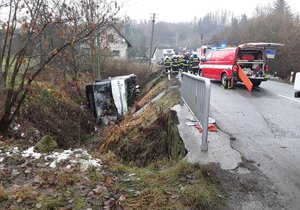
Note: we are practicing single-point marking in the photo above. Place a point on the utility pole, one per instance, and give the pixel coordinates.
(201, 39)
(153, 21)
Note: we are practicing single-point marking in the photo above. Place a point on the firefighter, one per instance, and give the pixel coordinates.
(186, 63)
(195, 64)
(167, 64)
(175, 63)
(181, 63)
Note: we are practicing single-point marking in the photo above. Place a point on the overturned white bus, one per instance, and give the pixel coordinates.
(112, 96)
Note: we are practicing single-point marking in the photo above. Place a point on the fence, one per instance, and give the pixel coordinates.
(195, 93)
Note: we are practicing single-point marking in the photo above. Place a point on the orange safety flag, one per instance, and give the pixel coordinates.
(245, 79)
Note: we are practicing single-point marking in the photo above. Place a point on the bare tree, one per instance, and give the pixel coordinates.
(33, 34)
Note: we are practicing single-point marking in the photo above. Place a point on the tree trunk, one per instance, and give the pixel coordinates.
(3, 94)
(4, 125)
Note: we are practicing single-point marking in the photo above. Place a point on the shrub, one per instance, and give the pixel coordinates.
(113, 68)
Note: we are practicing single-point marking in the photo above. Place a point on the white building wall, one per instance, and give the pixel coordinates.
(119, 44)
(121, 47)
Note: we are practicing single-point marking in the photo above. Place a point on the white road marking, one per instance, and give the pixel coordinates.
(289, 98)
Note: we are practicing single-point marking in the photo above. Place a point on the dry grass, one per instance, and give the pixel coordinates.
(174, 185)
(120, 67)
(163, 185)
(3, 194)
(54, 110)
(152, 135)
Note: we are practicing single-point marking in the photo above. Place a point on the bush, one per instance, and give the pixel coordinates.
(114, 68)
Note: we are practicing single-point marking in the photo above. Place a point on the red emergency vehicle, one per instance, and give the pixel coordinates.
(225, 64)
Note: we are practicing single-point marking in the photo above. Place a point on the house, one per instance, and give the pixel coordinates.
(116, 42)
(109, 40)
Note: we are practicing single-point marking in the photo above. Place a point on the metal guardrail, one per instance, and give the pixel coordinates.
(195, 93)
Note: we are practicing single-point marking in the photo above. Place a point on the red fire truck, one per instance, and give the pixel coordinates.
(245, 63)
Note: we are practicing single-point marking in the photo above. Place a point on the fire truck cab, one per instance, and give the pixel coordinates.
(204, 50)
(224, 64)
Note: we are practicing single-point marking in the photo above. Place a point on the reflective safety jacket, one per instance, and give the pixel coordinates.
(195, 62)
(181, 62)
(175, 61)
(186, 61)
(168, 62)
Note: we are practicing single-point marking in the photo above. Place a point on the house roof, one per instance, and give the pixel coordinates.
(120, 34)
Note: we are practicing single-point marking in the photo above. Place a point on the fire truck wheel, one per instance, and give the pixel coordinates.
(225, 81)
(256, 83)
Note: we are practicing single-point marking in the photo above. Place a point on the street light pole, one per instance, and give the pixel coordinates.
(153, 21)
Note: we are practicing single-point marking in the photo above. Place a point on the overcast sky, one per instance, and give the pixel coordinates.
(187, 10)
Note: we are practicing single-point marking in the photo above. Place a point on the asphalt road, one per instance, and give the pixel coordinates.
(264, 126)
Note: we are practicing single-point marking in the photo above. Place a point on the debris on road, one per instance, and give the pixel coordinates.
(211, 124)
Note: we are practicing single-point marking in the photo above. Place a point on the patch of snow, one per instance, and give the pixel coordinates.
(71, 157)
(80, 153)
(58, 157)
(73, 162)
(85, 164)
(30, 153)
(16, 128)
(53, 164)
(15, 150)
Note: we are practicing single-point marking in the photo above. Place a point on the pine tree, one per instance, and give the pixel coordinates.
(281, 7)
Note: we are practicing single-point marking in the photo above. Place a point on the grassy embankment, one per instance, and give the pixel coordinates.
(142, 166)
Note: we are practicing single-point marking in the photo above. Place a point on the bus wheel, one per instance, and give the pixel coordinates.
(225, 81)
